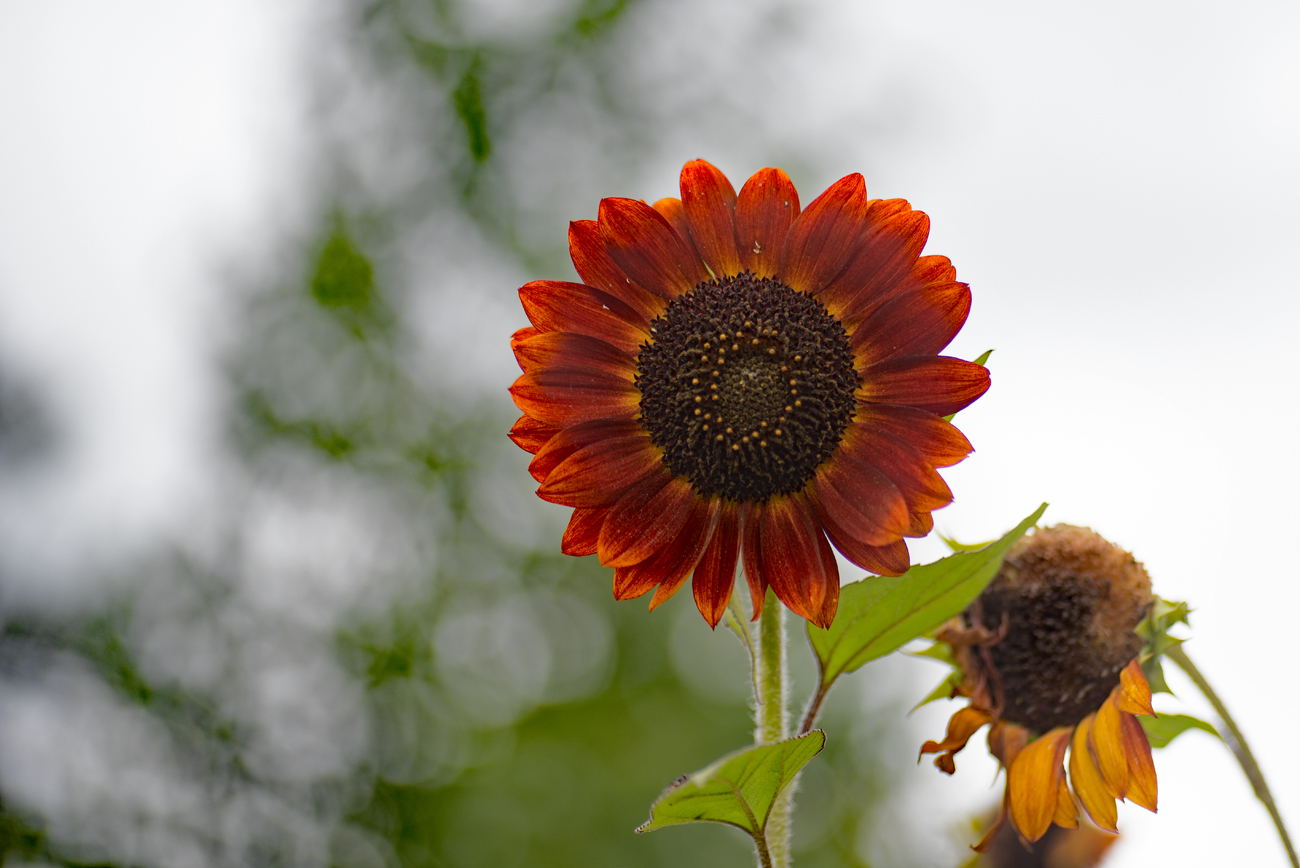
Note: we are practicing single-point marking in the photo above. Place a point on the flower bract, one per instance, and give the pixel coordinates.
(738, 380)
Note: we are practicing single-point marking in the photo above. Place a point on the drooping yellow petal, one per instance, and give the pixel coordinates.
(1135, 692)
(961, 726)
(1067, 812)
(1034, 782)
(1106, 739)
(1087, 782)
(1141, 767)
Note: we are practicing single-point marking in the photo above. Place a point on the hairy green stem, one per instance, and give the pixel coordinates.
(772, 718)
(1236, 742)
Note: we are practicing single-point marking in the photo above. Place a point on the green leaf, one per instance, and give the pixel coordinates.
(881, 614)
(943, 691)
(954, 546)
(1167, 727)
(344, 276)
(738, 789)
(1155, 674)
(468, 97)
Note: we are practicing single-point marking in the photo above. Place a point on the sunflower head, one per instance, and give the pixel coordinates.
(742, 381)
(1050, 659)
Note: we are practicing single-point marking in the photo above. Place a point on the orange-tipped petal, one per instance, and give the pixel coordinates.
(882, 267)
(600, 474)
(961, 726)
(861, 499)
(921, 486)
(569, 350)
(765, 209)
(1006, 741)
(715, 573)
(936, 384)
(825, 236)
(567, 396)
(710, 203)
(915, 323)
(1135, 693)
(630, 583)
(1034, 782)
(891, 559)
(937, 440)
(569, 440)
(1106, 740)
(1142, 789)
(583, 531)
(597, 269)
(647, 248)
(1067, 812)
(530, 435)
(670, 566)
(1087, 782)
(646, 519)
(671, 209)
(556, 306)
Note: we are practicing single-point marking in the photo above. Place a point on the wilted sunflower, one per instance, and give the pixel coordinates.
(1050, 659)
(738, 380)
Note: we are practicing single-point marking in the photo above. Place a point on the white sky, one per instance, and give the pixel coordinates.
(1117, 182)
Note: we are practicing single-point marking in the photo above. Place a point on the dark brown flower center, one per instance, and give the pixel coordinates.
(747, 386)
(1071, 600)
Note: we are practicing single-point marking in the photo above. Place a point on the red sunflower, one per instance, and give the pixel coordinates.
(739, 381)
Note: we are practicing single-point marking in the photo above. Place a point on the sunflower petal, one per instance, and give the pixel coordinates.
(887, 560)
(646, 519)
(710, 203)
(1087, 782)
(597, 269)
(569, 350)
(825, 236)
(937, 439)
(530, 435)
(1067, 812)
(1034, 781)
(600, 474)
(921, 486)
(1135, 693)
(766, 207)
(647, 248)
(961, 726)
(567, 396)
(581, 535)
(891, 242)
(787, 555)
(830, 571)
(557, 306)
(569, 440)
(1106, 741)
(1142, 789)
(1006, 741)
(936, 384)
(715, 574)
(631, 582)
(670, 566)
(670, 208)
(916, 323)
(861, 500)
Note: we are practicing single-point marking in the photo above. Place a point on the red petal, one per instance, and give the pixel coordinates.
(789, 557)
(569, 350)
(710, 203)
(715, 575)
(671, 210)
(575, 437)
(765, 208)
(938, 440)
(750, 556)
(861, 500)
(918, 322)
(830, 570)
(936, 384)
(600, 474)
(673, 563)
(630, 583)
(825, 237)
(647, 249)
(598, 269)
(919, 524)
(583, 531)
(887, 560)
(885, 257)
(555, 306)
(1142, 789)
(645, 520)
(531, 435)
(921, 485)
(566, 396)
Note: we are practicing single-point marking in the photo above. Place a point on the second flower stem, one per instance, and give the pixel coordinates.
(771, 716)
(1237, 744)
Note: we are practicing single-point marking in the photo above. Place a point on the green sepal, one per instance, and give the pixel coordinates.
(1155, 627)
(940, 651)
(1167, 727)
(954, 546)
(984, 357)
(881, 614)
(738, 789)
(946, 689)
(1155, 674)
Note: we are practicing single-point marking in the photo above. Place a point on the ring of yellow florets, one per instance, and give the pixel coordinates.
(747, 387)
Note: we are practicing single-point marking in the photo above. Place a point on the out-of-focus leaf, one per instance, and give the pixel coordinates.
(1155, 674)
(344, 277)
(597, 15)
(943, 691)
(738, 789)
(955, 546)
(880, 614)
(468, 97)
(1167, 727)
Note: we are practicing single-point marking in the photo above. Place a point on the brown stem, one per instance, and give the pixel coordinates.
(1236, 742)
(814, 708)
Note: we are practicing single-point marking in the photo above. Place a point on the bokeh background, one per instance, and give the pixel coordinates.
(274, 588)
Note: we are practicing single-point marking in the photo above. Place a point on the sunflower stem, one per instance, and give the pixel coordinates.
(772, 718)
(1236, 742)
